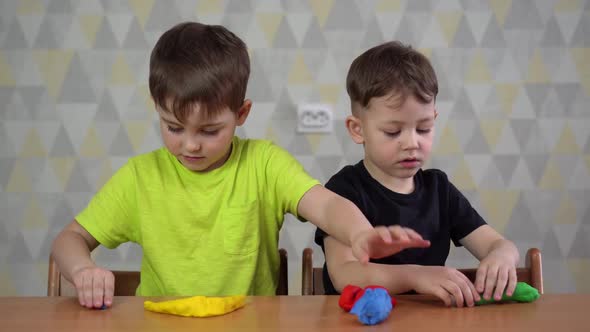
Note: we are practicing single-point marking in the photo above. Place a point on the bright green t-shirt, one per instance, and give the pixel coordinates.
(214, 233)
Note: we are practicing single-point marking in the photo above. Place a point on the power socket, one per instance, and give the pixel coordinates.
(314, 118)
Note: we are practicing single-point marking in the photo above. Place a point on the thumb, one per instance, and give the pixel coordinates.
(361, 254)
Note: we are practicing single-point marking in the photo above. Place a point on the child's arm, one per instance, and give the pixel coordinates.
(340, 218)
(71, 250)
(448, 284)
(498, 260)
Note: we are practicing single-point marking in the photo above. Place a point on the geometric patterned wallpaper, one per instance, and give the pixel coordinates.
(512, 133)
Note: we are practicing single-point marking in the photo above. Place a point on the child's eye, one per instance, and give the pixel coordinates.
(174, 130)
(392, 134)
(211, 132)
(423, 131)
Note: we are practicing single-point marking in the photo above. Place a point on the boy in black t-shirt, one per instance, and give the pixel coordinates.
(393, 89)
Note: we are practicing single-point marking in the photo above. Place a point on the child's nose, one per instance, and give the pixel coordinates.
(192, 144)
(410, 140)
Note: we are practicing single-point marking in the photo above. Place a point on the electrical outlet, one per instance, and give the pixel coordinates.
(314, 118)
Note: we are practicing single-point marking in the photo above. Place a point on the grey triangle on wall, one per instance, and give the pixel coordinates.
(238, 6)
(105, 37)
(259, 89)
(106, 111)
(523, 14)
(6, 167)
(121, 145)
(15, 38)
(59, 6)
(521, 227)
(464, 37)
(580, 37)
(46, 38)
(373, 35)
(344, 15)
(493, 36)
(163, 16)
(284, 37)
(77, 181)
(135, 38)
(581, 245)
(552, 37)
(314, 37)
(550, 247)
(506, 165)
(62, 146)
(536, 165)
(76, 86)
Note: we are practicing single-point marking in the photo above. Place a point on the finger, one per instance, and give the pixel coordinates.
(87, 290)
(491, 278)
(455, 292)
(480, 277)
(412, 234)
(361, 254)
(463, 283)
(417, 239)
(419, 244)
(97, 291)
(471, 286)
(501, 283)
(109, 289)
(442, 294)
(79, 283)
(398, 233)
(512, 281)
(386, 235)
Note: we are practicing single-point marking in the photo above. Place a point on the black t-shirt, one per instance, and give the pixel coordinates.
(435, 209)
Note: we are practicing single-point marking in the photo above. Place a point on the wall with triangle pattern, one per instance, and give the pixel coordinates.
(512, 132)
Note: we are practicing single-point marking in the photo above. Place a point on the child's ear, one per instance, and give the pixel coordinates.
(355, 130)
(435, 113)
(244, 111)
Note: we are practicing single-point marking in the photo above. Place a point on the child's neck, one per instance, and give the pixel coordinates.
(395, 184)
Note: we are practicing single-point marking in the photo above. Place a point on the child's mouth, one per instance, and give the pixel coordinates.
(192, 159)
(410, 163)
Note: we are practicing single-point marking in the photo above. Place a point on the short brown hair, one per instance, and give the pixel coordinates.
(391, 68)
(198, 63)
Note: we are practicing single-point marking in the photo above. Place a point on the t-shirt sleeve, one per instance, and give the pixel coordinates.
(112, 213)
(343, 187)
(463, 218)
(286, 178)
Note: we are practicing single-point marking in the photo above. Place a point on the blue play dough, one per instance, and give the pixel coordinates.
(373, 307)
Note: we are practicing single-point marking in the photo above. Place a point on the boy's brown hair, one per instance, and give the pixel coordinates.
(198, 63)
(391, 68)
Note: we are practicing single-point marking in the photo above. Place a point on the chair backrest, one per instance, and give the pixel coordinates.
(126, 282)
(283, 286)
(312, 280)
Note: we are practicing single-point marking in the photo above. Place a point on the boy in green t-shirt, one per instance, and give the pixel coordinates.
(207, 208)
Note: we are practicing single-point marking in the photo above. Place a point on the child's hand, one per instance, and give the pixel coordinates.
(385, 241)
(446, 283)
(496, 273)
(95, 286)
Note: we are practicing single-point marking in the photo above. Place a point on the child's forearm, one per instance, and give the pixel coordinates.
(343, 220)
(333, 214)
(395, 278)
(71, 253)
(507, 248)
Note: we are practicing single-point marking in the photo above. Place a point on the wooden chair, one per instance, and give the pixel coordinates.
(312, 280)
(126, 282)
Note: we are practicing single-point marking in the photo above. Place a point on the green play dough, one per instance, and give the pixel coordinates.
(522, 293)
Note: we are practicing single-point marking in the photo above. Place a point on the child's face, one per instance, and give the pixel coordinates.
(201, 144)
(397, 139)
